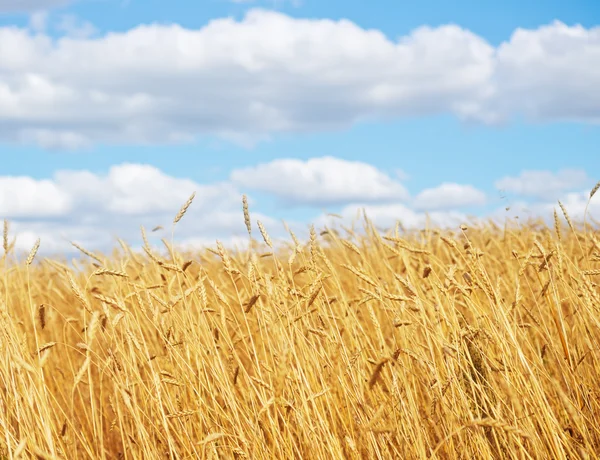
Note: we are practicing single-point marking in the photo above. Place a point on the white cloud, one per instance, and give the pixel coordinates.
(22, 6)
(386, 216)
(519, 211)
(449, 196)
(23, 196)
(93, 209)
(574, 202)
(270, 73)
(245, 80)
(550, 73)
(133, 189)
(55, 237)
(321, 181)
(544, 184)
(165, 83)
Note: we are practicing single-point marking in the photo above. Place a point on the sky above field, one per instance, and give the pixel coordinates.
(112, 112)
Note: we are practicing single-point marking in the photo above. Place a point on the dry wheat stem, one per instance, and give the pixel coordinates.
(184, 208)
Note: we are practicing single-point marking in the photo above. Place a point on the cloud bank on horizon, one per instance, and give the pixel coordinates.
(93, 209)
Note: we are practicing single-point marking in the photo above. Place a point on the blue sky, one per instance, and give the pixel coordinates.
(405, 108)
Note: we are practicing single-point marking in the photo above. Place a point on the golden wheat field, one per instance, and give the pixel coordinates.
(482, 342)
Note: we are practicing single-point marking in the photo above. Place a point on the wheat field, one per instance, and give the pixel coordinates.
(481, 342)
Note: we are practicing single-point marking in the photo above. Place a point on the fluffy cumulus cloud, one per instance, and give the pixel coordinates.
(25, 197)
(126, 190)
(269, 73)
(547, 73)
(448, 196)
(546, 185)
(321, 181)
(537, 193)
(385, 216)
(134, 190)
(93, 209)
(577, 204)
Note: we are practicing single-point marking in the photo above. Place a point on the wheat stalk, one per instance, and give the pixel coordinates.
(264, 234)
(33, 252)
(184, 208)
(246, 215)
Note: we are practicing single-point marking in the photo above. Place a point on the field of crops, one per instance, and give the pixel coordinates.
(481, 342)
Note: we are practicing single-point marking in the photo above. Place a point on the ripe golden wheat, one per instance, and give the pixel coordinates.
(480, 343)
